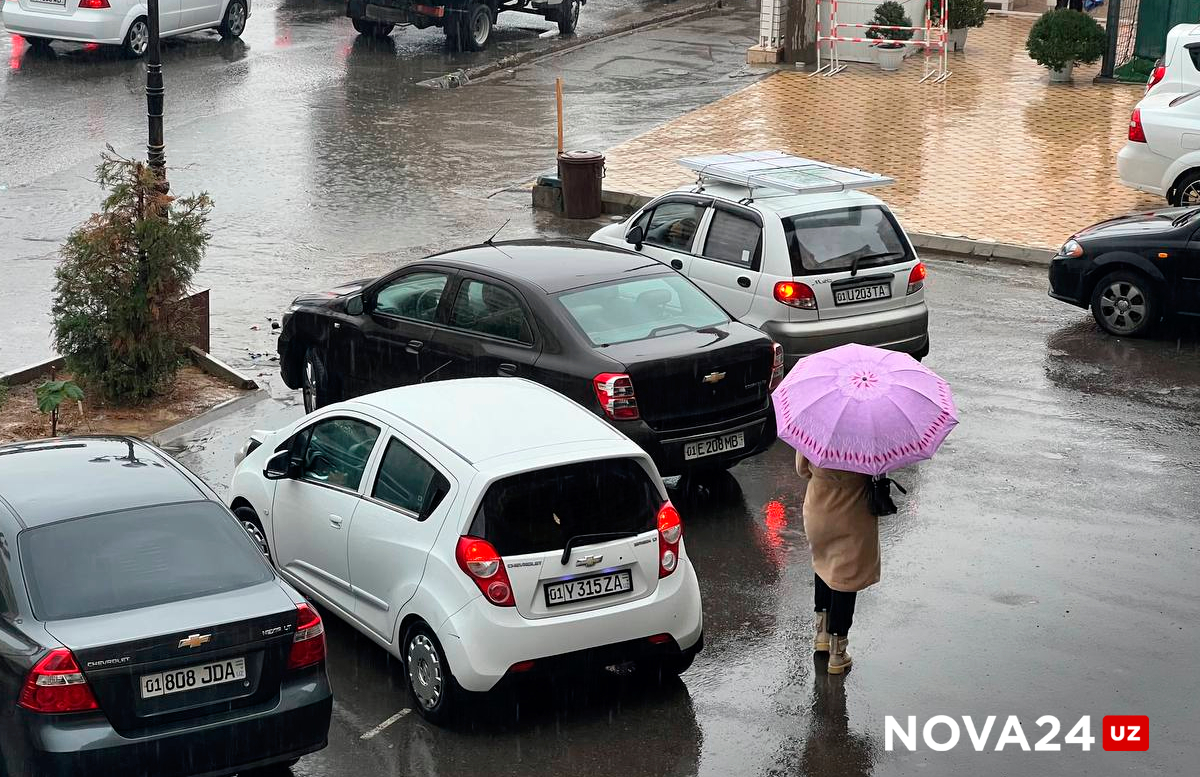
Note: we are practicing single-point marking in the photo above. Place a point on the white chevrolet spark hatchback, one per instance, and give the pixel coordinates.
(478, 530)
(119, 22)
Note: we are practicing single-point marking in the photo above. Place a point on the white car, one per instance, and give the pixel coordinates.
(478, 530)
(119, 22)
(791, 246)
(1162, 154)
(1178, 71)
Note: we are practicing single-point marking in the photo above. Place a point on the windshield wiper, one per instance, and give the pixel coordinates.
(1184, 218)
(880, 255)
(591, 539)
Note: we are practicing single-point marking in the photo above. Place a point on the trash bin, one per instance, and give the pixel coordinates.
(581, 174)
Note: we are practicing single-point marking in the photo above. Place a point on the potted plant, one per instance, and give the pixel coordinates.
(1063, 37)
(890, 47)
(961, 15)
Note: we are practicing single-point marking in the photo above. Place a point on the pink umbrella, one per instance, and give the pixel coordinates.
(863, 409)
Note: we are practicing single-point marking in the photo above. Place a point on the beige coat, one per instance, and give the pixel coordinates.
(842, 533)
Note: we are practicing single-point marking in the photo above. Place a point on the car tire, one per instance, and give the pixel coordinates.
(922, 352)
(372, 29)
(434, 692)
(233, 24)
(1186, 191)
(475, 28)
(253, 526)
(567, 16)
(1125, 304)
(137, 38)
(38, 43)
(317, 386)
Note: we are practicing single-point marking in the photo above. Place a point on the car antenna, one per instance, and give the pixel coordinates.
(498, 231)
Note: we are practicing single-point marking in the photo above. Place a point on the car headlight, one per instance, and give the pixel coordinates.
(1071, 248)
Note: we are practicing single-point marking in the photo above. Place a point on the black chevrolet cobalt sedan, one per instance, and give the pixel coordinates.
(143, 634)
(1133, 271)
(625, 336)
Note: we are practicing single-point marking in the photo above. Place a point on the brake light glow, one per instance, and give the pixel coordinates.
(1136, 133)
(521, 666)
(670, 532)
(796, 295)
(916, 277)
(484, 566)
(1156, 75)
(308, 643)
(776, 365)
(56, 685)
(659, 639)
(614, 390)
(94, 5)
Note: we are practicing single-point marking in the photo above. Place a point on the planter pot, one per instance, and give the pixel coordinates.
(1062, 76)
(890, 59)
(957, 39)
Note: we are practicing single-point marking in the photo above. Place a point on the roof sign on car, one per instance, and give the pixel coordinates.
(780, 171)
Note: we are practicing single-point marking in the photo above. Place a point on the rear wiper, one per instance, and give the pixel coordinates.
(880, 255)
(589, 539)
(666, 328)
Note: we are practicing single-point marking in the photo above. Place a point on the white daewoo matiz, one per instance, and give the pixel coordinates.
(478, 530)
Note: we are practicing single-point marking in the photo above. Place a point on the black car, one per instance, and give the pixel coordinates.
(627, 337)
(1133, 271)
(143, 634)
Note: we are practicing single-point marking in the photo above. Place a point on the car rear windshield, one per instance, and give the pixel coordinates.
(641, 308)
(830, 241)
(136, 558)
(539, 511)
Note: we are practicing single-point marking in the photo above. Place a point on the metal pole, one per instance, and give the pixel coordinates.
(155, 148)
(1113, 28)
(558, 101)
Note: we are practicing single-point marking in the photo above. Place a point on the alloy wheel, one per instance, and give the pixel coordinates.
(237, 19)
(139, 37)
(1190, 195)
(481, 27)
(310, 386)
(256, 534)
(425, 671)
(1123, 306)
(575, 6)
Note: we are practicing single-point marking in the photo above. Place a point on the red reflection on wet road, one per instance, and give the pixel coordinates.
(776, 522)
(18, 48)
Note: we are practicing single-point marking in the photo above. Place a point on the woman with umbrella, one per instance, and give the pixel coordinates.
(853, 414)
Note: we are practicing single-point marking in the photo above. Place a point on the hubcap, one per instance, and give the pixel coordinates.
(256, 535)
(310, 386)
(1190, 195)
(139, 37)
(424, 671)
(479, 30)
(237, 18)
(1123, 306)
(574, 13)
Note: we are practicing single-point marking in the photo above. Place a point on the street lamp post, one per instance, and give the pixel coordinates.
(154, 97)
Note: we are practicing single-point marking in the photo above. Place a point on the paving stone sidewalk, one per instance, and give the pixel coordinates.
(996, 153)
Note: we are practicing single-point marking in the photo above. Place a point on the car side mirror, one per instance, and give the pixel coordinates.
(355, 305)
(279, 466)
(636, 237)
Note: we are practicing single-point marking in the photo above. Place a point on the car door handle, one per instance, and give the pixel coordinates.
(677, 264)
(744, 282)
(414, 346)
(335, 521)
(507, 369)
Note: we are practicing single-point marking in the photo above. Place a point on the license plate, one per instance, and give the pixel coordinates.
(862, 294)
(714, 445)
(193, 677)
(588, 588)
(59, 3)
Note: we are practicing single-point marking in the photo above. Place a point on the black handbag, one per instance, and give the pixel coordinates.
(879, 495)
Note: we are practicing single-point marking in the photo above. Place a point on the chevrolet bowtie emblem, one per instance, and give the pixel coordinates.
(195, 640)
(713, 377)
(589, 561)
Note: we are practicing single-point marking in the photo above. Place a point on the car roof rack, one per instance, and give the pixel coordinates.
(779, 171)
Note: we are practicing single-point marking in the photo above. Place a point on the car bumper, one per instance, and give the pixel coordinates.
(667, 447)
(1140, 168)
(903, 329)
(82, 26)
(69, 746)
(1068, 280)
(483, 641)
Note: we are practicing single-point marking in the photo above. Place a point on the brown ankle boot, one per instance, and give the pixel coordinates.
(839, 659)
(821, 637)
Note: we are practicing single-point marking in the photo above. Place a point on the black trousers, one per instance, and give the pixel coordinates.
(839, 605)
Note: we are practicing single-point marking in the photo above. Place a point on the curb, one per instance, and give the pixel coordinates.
(31, 371)
(165, 437)
(219, 369)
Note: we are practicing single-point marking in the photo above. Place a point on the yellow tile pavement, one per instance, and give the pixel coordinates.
(995, 153)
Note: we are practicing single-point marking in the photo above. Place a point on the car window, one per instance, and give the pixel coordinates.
(337, 452)
(490, 310)
(831, 240)
(539, 511)
(640, 308)
(128, 559)
(407, 481)
(674, 224)
(414, 296)
(733, 238)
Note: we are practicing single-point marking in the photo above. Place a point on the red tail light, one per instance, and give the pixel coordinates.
(615, 392)
(670, 532)
(94, 5)
(1136, 133)
(308, 643)
(916, 278)
(795, 294)
(56, 685)
(483, 565)
(776, 365)
(1156, 75)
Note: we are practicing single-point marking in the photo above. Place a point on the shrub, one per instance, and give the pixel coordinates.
(117, 320)
(962, 13)
(1064, 36)
(890, 14)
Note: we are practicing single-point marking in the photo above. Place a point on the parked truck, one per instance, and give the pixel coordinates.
(467, 23)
